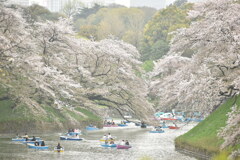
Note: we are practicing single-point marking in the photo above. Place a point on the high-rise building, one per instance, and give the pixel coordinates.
(21, 2)
(158, 4)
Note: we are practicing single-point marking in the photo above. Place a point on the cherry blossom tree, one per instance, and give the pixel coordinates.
(211, 73)
(202, 67)
(70, 72)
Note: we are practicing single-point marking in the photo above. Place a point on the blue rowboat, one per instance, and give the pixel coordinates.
(37, 147)
(32, 142)
(24, 139)
(156, 131)
(88, 128)
(74, 133)
(70, 138)
(122, 125)
(18, 139)
(108, 145)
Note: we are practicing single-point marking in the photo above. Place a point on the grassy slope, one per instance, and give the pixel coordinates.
(12, 113)
(204, 135)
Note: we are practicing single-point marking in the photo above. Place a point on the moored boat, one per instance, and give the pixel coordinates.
(71, 138)
(122, 125)
(162, 131)
(89, 128)
(108, 145)
(123, 146)
(37, 147)
(173, 127)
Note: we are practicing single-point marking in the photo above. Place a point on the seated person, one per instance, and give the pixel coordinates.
(127, 143)
(111, 141)
(109, 136)
(104, 137)
(122, 143)
(33, 139)
(43, 143)
(59, 146)
(106, 141)
(36, 143)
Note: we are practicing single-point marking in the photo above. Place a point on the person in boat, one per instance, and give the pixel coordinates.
(36, 143)
(175, 124)
(91, 125)
(33, 139)
(26, 137)
(122, 143)
(43, 143)
(109, 136)
(164, 124)
(104, 137)
(106, 141)
(17, 135)
(111, 141)
(127, 143)
(59, 146)
(77, 136)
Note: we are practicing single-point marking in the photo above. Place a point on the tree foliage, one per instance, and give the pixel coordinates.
(125, 23)
(156, 36)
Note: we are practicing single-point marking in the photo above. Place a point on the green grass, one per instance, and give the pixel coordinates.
(53, 114)
(204, 135)
(148, 66)
(89, 114)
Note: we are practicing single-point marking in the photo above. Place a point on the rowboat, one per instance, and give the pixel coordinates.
(58, 150)
(169, 119)
(108, 140)
(162, 131)
(24, 139)
(108, 145)
(31, 142)
(88, 128)
(173, 127)
(123, 146)
(70, 138)
(122, 125)
(37, 147)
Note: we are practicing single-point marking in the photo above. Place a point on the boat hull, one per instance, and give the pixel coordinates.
(58, 150)
(70, 138)
(37, 147)
(156, 131)
(91, 128)
(109, 145)
(173, 127)
(123, 146)
(122, 125)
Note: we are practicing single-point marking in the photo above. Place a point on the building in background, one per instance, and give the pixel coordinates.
(20, 2)
(57, 5)
(158, 4)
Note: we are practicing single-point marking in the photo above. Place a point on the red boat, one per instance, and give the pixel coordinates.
(173, 127)
(169, 119)
(123, 146)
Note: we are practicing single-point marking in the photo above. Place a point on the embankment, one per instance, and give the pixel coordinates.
(202, 141)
